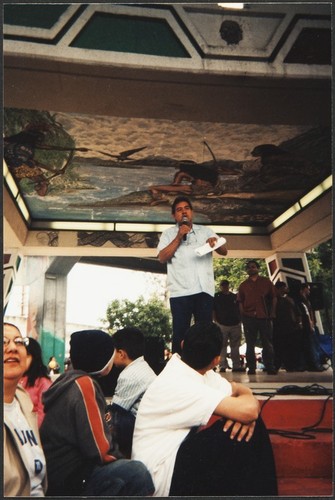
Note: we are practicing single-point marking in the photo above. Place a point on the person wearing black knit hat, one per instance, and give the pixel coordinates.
(80, 454)
(92, 351)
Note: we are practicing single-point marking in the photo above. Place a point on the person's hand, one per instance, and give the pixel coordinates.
(183, 230)
(212, 240)
(238, 430)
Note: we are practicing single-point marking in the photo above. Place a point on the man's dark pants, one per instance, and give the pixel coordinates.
(199, 305)
(209, 463)
(251, 327)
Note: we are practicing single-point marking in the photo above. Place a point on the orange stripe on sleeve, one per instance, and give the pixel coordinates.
(87, 390)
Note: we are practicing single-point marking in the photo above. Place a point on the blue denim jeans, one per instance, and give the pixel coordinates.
(120, 478)
(199, 305)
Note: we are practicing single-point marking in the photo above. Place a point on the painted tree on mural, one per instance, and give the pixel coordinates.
(37, 149)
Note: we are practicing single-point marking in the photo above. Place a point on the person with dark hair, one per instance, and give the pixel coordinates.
(190, 276)
(287, 331)
(36, 379)
(257, 300)
(227, 315)
(230, 457)
(133, 381)
(81, 456)
(310, 348)
(23, 458)
(53, 366)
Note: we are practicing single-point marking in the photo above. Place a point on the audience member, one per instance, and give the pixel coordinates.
(54, 368)
(81, 457)
(227, 315)
(232, 457)
(133, 381)
(287, 331)
(190, 277)
(311, 358)
(24, 461)
(36, 379)
(257, 301)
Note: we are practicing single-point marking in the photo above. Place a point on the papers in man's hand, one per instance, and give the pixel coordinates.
(206, 248)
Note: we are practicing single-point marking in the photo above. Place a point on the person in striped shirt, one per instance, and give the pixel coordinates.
(133, 381)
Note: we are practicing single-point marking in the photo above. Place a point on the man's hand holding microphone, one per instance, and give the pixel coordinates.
(184, 227)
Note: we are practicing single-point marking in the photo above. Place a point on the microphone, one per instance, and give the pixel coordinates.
(185, 221)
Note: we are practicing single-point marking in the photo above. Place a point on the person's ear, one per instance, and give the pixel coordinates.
(122, 353)
(182, 344)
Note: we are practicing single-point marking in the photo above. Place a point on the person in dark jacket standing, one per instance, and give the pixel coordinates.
(227, 315)
(287, 331)
(310, 349)
(77, 442)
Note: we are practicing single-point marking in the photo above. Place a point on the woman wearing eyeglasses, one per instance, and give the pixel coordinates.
(24, 461)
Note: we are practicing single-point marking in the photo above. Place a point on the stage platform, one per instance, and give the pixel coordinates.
(262, 382)
(300, 424)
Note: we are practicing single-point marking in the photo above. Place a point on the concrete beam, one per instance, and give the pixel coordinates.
(307, 230)
(15, 230)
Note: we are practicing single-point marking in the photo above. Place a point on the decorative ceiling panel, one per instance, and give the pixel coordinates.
(111, 110)
(176, 36)
(75, 167)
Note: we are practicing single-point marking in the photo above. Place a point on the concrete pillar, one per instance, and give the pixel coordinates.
(46, 281)
(292, 268)
(52, 330)
(53, 321)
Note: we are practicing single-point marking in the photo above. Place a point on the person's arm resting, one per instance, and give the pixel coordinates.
(241, 406)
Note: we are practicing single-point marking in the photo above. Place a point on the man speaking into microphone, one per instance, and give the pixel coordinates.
(190, 276)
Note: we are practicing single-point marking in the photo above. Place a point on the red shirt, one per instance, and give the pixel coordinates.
(256, 297)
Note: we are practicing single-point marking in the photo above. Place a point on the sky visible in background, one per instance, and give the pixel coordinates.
(91, 288)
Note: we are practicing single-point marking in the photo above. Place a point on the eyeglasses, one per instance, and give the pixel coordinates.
(18, 341)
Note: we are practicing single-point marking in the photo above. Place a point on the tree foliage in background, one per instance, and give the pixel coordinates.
(153, 318)
(234, 271)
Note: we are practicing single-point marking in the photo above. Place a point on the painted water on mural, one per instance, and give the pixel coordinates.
(76, 167)
(104, 186)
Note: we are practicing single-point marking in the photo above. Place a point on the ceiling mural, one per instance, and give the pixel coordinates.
(76, 167)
